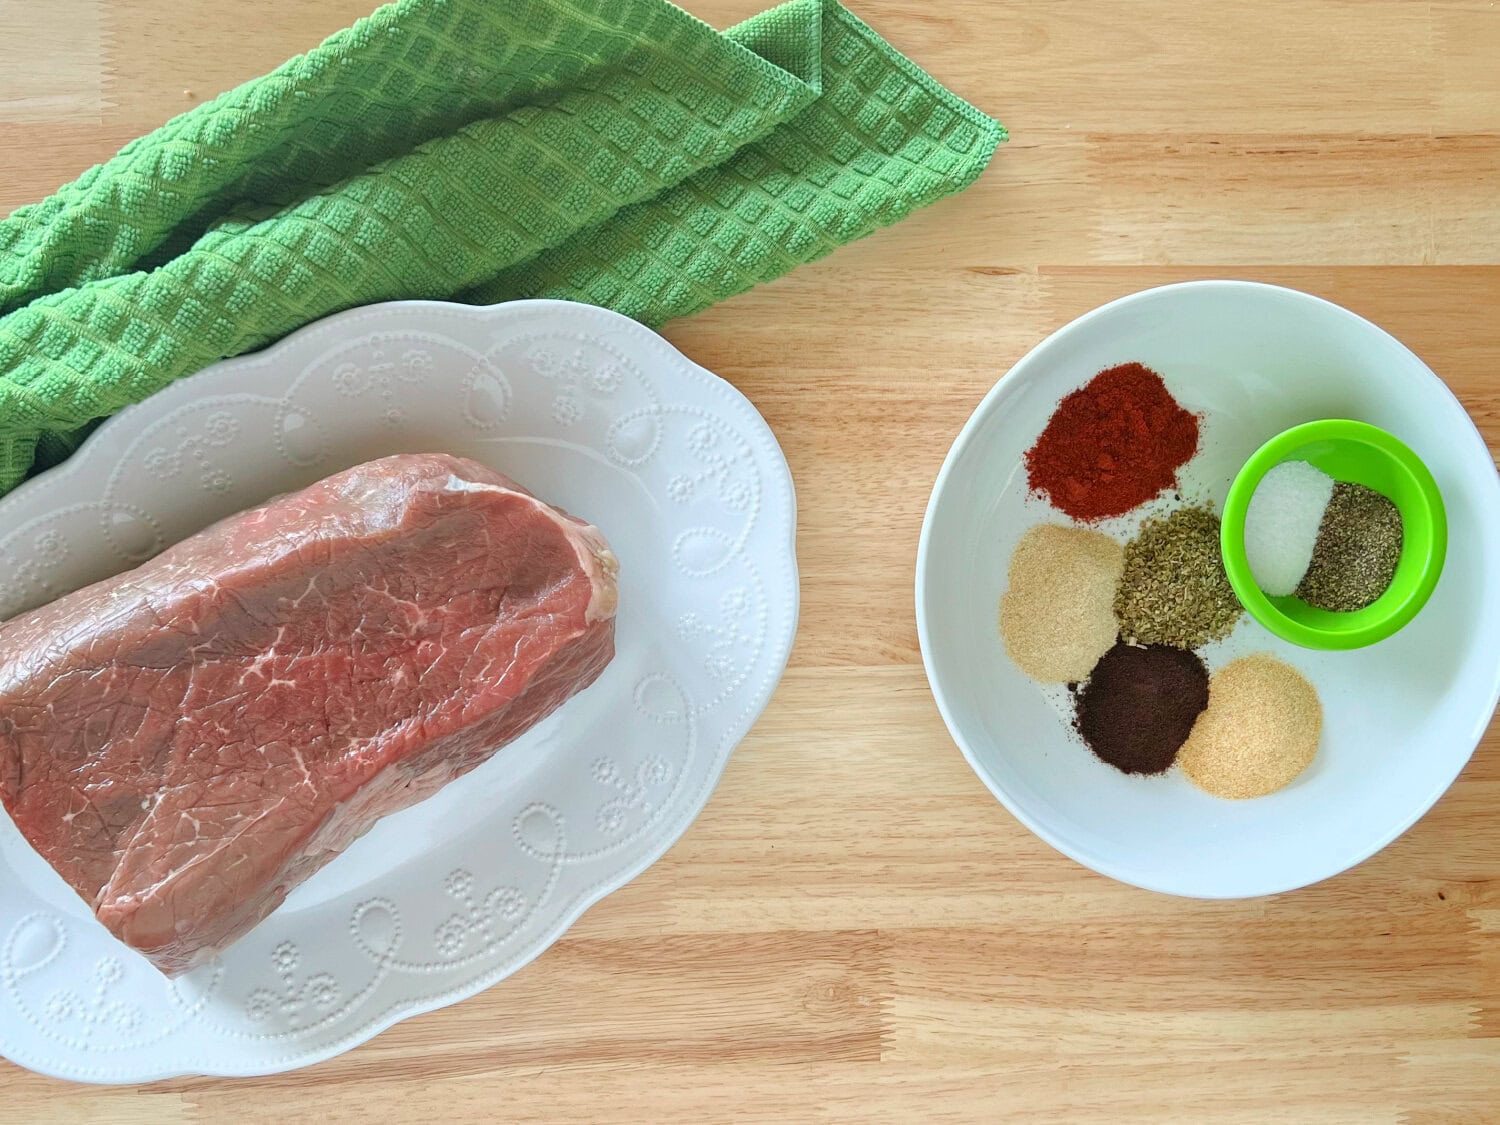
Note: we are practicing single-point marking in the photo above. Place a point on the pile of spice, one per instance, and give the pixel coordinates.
(1120, 625)
(1111, 445)
(1359, 545)
(1259, 732)
(1281, 524)
(1139, 705)
(1057, 616)
(1334, 544)
(1174, 590)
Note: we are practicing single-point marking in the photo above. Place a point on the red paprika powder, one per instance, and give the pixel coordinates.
(1112, 444)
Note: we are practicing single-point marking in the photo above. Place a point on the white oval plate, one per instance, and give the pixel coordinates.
(1400, 717)
(592, 412)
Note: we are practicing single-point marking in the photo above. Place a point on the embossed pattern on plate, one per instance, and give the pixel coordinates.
(591, 411)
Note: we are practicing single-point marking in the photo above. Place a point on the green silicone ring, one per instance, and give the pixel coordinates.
(1362, 454)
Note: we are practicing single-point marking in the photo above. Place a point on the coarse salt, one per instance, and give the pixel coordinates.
(1281, 524)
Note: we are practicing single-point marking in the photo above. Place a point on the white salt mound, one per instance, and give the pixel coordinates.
(1281, 524)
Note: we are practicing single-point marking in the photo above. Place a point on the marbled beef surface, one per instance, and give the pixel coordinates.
(187, 742)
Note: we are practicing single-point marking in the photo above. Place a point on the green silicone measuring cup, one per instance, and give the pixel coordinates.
(1362, 454)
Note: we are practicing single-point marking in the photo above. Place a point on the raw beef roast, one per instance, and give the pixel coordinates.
(187, 742)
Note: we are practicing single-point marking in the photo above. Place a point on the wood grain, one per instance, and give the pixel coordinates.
(854, 929)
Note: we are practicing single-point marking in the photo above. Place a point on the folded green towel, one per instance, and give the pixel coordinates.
(618, 152)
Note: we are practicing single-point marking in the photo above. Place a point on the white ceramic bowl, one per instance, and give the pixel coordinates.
(1400, 717)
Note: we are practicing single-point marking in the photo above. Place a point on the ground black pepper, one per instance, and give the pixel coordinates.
(1359, 544)
(1139, 704)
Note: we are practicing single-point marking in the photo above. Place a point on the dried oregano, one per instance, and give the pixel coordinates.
(1174, 590)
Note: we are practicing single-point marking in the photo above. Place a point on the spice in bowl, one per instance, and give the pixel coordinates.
(1358, 547)
(1334, 544)
(1259, 732)
(1139, 705)
(1282, 522)
(1174, 590)
(1119, 625)
(1057, 615)
(1111, 445)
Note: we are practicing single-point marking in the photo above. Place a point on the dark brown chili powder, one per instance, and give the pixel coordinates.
(1139, 704)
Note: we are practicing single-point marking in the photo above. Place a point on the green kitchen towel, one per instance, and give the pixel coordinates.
(618, 152)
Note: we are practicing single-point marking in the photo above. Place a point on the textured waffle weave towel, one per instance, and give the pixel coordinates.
(618, 152)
